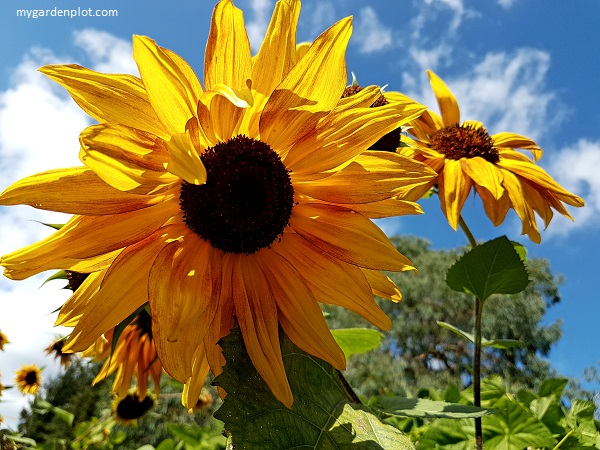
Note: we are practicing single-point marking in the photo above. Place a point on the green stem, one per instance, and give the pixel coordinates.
(477, 356)
(477, 372)
(463, 226)
(562, 441)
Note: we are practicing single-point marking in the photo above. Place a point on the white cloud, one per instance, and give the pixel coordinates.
(321, 16)
(506, 91)
(107, 52)
(39, 130)
(507, 4)
(371, 34)
(576, 169)
(257, 27)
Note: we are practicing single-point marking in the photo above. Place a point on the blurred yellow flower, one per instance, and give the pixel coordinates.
(29, 379)
(248, 198)
(464, 155)
(56, 349)
(3, 340)
(134, 354)
(129, 409)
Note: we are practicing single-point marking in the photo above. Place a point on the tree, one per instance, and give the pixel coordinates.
(418, 353)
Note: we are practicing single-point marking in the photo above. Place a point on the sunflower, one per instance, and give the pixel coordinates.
(134, 354)
(465, 155)
(241, 203)
(2, 387)
(131, 407)
(29, 379)
(56, 349)
(3, 340)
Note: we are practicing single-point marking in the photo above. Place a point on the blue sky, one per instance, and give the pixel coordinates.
(516, 65)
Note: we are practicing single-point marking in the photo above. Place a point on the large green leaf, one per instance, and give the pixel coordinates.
(512, 428)
(422, 407)
(553, 386)
(357, 340)
(502, 344)
(490, 268)
(322, 417)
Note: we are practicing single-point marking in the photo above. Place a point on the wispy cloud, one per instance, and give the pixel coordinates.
(39, 130)
(582, 160)
(371, 34)
(257, 24)
(506, 91)
(507, 4)
(317, 17)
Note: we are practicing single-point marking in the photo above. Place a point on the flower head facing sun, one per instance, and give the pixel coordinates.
(465, 155)
(244, 202)
(29, 379)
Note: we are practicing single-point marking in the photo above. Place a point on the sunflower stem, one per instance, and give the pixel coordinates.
(477, 350)
(463, 226)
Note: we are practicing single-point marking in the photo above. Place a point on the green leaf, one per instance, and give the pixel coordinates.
(357, 340)
(167, 444)
(321, 418)
(425, 408)
(56, 226)
(20, 439)
(553, 386)
(512, 428)
(490, 268)
(521, 250)
(501, 344)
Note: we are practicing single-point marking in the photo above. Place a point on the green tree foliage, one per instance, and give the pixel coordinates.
(419, 354)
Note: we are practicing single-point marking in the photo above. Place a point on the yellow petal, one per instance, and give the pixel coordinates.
(345, 133)
(301, 318)
(108, 98)
(278, 53)
(446, 100)
(372, 177)
(77, 190)
(125, 158)
(256, 311)
(385, 208)
(185, 290)
(454, 188)
(85, 237)
(123, 290)
(227, 59)
(382, 285)
(74, 307)
(538, 176)
(524, 211)
(193, 387)
(173, 88)
(484, 173)
(310, 90)
(495, 209)
(348, 236)
(184, 160)
(512, 140)
(330, 280)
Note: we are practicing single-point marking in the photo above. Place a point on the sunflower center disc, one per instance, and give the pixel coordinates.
(131, 407)
(457, 142)
(247, 200)
(31, 378)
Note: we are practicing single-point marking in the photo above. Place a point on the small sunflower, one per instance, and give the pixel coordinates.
(29, 379)
(3, 341)
(204, 401)
(465, 155)
(2, 387)
(56, 349)
(134, 354)
(131, 407)
(241, 203)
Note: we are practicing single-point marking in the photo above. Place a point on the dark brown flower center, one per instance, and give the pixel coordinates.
(31, 378)
(131, 407)
(388, 142)
(75, 279)
(464, 141)
(247, 200)
(143, 322)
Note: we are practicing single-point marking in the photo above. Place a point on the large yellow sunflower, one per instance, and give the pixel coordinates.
(241, 203)
(29, 379)
(465, 155)
(134, 354)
